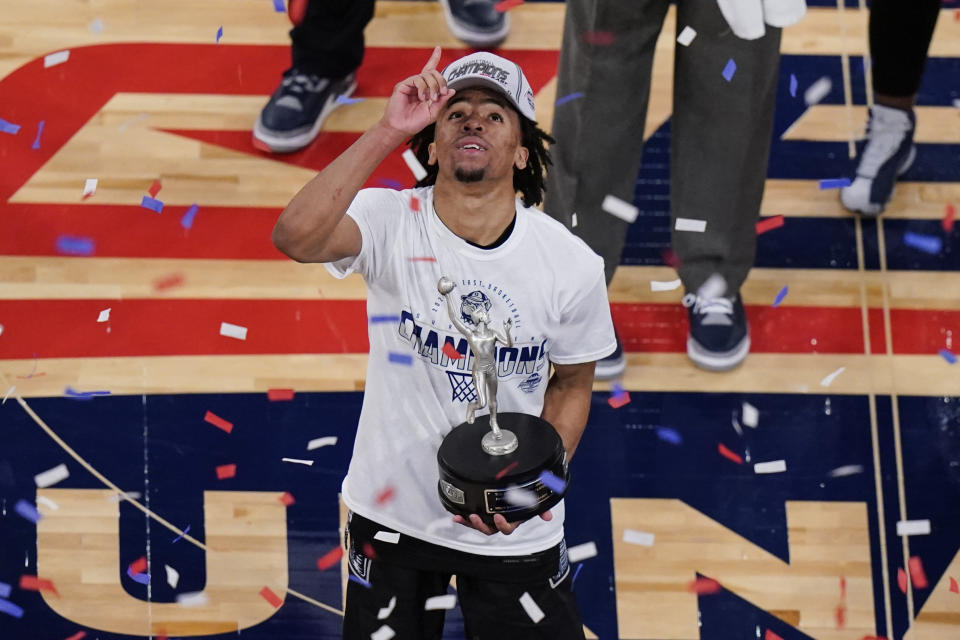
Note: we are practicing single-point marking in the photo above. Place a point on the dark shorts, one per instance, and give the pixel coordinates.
(488, 589)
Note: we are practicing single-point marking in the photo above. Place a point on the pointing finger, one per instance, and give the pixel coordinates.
(432, 62)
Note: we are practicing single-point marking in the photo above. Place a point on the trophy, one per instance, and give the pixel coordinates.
(495, 463)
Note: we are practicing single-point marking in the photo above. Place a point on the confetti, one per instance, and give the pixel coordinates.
(902, 579)
(47, 502)
(727, 453)
(415, 167)
(393, 184)
(75, 245)
(954, 587)
(185, 532)
(642, 538)
(535, 613)
(400, 358)
(96, 26)
(233, 331)
(917, 575)
(686, 36)
(154, 189)
(444, 602)
(280, 395)
(780, 296)
(83, 395)
(309, 463)
(27, 511)
(575, 574)
(817, 91)
(828, 380)
(521, 497)
(774, 466)
(36, 141)
(34, 583)
(138, 566)
(949, 217)
(330, 558)
(104, 315)
(4, 590)
(793, 86)
(769, 224)
(7, 394)
(187, 220)
(921, 242)
(11, 609)
(617, 401)
(131, 495)
(704, 586)
(391, 537)
(582, 552)
(423, 259)
(192, 599)
(287, 499)
(149, 203)
(218, 422)
(834, 183)
(750, 415)
(78, 635)
(386, 495)
(414, 203)
(770, 635)
(368, 550)
(507, 469)
(385, 612)
(9, 127)
(573, 220)
(168, 282)
(360, 581)
(669, 435)
(729, 70)
(383, 633)
(948, 355)
(664, 285)
(226, 471)
(552, 482)
(326, 441)
(568, 98)
(388, 319)
(599, 38)
(690, 224)
(342, 99)
(53, 59)
(506, 5)
(278, 6)
(173, 576)
(142, 578)
(913, 527)
(51, 476)
(451, 352)
(619, 208)
(219, 33)
(266, 593)
(846, 470)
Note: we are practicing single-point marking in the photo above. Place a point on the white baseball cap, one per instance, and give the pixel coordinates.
(489, 70)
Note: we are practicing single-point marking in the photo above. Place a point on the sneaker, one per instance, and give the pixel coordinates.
(718, 340)
(476, 22)
(296, 110)
(613, 365)
(888, 154)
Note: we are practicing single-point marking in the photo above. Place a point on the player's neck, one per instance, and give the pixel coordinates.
(478, 212)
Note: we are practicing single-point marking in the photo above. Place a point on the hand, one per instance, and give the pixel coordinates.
(508, 323)
(417, 101)
(502, 526)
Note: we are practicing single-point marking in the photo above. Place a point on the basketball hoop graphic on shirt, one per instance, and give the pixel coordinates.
(462, 386)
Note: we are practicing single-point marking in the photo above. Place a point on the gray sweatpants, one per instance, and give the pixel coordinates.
(720, 131)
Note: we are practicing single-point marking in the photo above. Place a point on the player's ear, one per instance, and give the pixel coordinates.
(432, 153)
(521, 157)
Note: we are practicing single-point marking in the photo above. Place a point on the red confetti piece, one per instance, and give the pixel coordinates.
(168, 282)
(414, 203)
(727, 453)
(33, 583)
(385, 496)
(954, 587)
(218, 422)
(770, 635)
(841, 616)
(368, 551)
(599, 38)
(78, 635)
(138, 566)
(949, 217)
(506, 5)
(154, 189)
(670, 258)
(296, 9)
(423, 259)
(271, 597)
(843, 587)
(618, 401)
(704, 586)
(451, 352)
(874, 638)
(902, 579)
(769, 224)
(286, 499)
(330, 558)
(506, 469)
(226, 471)
(279, 395)
(917, 575)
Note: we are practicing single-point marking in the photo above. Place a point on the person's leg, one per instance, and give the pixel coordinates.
(329, 41)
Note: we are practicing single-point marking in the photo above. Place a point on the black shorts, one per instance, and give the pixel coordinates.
(489, 589)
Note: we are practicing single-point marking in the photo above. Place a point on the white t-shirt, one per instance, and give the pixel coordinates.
(543, 277)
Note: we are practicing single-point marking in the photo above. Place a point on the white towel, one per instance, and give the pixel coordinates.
(748, 17)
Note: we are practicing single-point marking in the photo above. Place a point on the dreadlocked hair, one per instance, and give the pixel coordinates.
(529, 181)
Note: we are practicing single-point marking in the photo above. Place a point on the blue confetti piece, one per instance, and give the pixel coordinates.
(729, 70)
(669, 435)
(278, 6)
(185, 532)
(4, 590)
(576, 572)
(927, 244)
(834, 183)
(75, 245)
(360, 581)
(384, 319)
(83, 395)
(36, 141)
(9, 127)
(793, 86)
(948, 355)
(152, 204)
(142, 578)
(342, 99)
(780, 296)
(187, 220)
(568, 98)
(401, 358)
(393, 184)
(11, 609)
(27, 510)
(219, 33)
(552, 482)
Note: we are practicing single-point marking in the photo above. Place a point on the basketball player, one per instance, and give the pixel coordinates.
(474, 128)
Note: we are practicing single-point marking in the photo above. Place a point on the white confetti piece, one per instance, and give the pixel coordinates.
(387, 610)
(309, 463)
(7, 394)
(536, 613)
(326, 441)
(828, 380)
(96, 26)
(690, 224)
(415, 167)
(582, 551)
(619, 208)
(714, 287)
(664, 285)
(55, 58)
(387, 536)
(817, 91)
(104, 315)
(846, 470)
(573, 221)
(52, 476)
(913, 527)
(44, 500)
(192, 599)
(956, 103)
(521, 497)
(445, 602)
(686, 36)
(642, 538)
(383, 633)
(173, 577)
(117, 497)
(751, 417)
(774, 466)
(90, 187)
(233, 331)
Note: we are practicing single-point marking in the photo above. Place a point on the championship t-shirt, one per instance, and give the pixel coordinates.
(542, 277)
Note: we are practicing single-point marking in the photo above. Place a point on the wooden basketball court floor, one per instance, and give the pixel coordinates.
(850, 378)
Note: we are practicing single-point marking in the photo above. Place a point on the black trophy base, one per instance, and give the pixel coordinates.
(474, 481)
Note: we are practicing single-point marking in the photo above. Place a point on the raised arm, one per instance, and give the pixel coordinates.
(505, 337)
(313, 227)
(462, 328)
